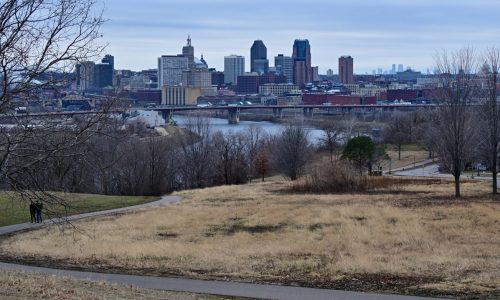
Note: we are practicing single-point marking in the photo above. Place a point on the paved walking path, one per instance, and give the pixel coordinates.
(165, 200)
(416, 165)
(223, 288)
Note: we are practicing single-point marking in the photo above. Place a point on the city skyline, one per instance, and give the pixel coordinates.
(375, 34)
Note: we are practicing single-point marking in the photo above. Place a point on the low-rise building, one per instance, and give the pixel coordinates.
(179, 95)
(279, 89)
(322, 99)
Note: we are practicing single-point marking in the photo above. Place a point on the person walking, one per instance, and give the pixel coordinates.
(39, 208)
(32, 211)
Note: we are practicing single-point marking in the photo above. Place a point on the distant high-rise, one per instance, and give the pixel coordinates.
(258, 57)
(284, 66)
(393, 71)
(109, 59)
(329, 72)
(302, 72)
(346, 64)
(315, 74)
(401, 68)
(188, 51)
(104, 71)
(170, 69)
(86, 78)
(234, 66)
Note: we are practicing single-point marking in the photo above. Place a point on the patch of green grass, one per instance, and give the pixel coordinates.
(15, 211)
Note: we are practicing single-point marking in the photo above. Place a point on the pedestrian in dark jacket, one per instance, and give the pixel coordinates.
(32, 211)
(39, 208)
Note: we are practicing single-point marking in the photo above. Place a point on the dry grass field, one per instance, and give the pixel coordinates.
(411, 239)
(21, 285)
(408, 157)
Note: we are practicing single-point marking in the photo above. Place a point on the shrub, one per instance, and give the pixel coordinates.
(338, 177)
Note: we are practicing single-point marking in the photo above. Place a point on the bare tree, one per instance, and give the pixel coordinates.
(196, 152)
(230, 159)
(453, 132)
(261, 163)
(333, 134)
(37, 37)
(491, 111)
(399, 131)
(40, 44)
(254, 138)
(292, 151)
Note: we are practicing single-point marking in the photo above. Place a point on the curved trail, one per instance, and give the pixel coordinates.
(223, 288)
(165, 200)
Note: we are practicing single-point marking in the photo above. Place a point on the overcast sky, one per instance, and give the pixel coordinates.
(376, 33)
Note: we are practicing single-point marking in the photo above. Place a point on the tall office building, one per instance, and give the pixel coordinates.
(170, 69)
(103, 75)
(284, 66)
(188, 51)
(199, 77)
(393, 70)
(234, 66)
(104, 72)
(329, 72)
(315, 74)
(401, 68)
(86, 78)
(302, 72)
(258, 57)
(109, 59)
(346, 64)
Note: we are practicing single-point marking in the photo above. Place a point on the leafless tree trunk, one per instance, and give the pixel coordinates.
(196, 152)
(454, 129)
(292, 151)
(399, 131)
(491, 112)
(333, 133)
(230, 159)
(38, 38)
(43, 36)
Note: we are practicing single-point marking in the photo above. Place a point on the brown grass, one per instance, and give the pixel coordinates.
(22, 285)
(418, 236)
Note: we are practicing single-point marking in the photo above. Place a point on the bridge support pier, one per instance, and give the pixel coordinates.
(233, 115)
(278, 113)
(167, 115)
(308, 112)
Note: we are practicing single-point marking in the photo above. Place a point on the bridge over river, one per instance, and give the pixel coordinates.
(233, 112)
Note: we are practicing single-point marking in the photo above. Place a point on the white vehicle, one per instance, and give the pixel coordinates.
(21, 110)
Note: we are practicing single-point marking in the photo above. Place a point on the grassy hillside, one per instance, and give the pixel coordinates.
(14, 211)
(413, 239)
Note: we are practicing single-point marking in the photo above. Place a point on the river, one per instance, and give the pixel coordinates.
(219, 124)
(222, 125)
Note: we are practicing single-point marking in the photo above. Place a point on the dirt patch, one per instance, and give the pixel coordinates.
(167, 235)
(319, 226)
(239, 226)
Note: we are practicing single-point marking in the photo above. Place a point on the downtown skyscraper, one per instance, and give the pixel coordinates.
(302, 71)
(284, 66)
(258, 57)
(234, 66)
(346, 66)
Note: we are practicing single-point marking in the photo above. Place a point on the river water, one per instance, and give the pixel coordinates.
(219, 124)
